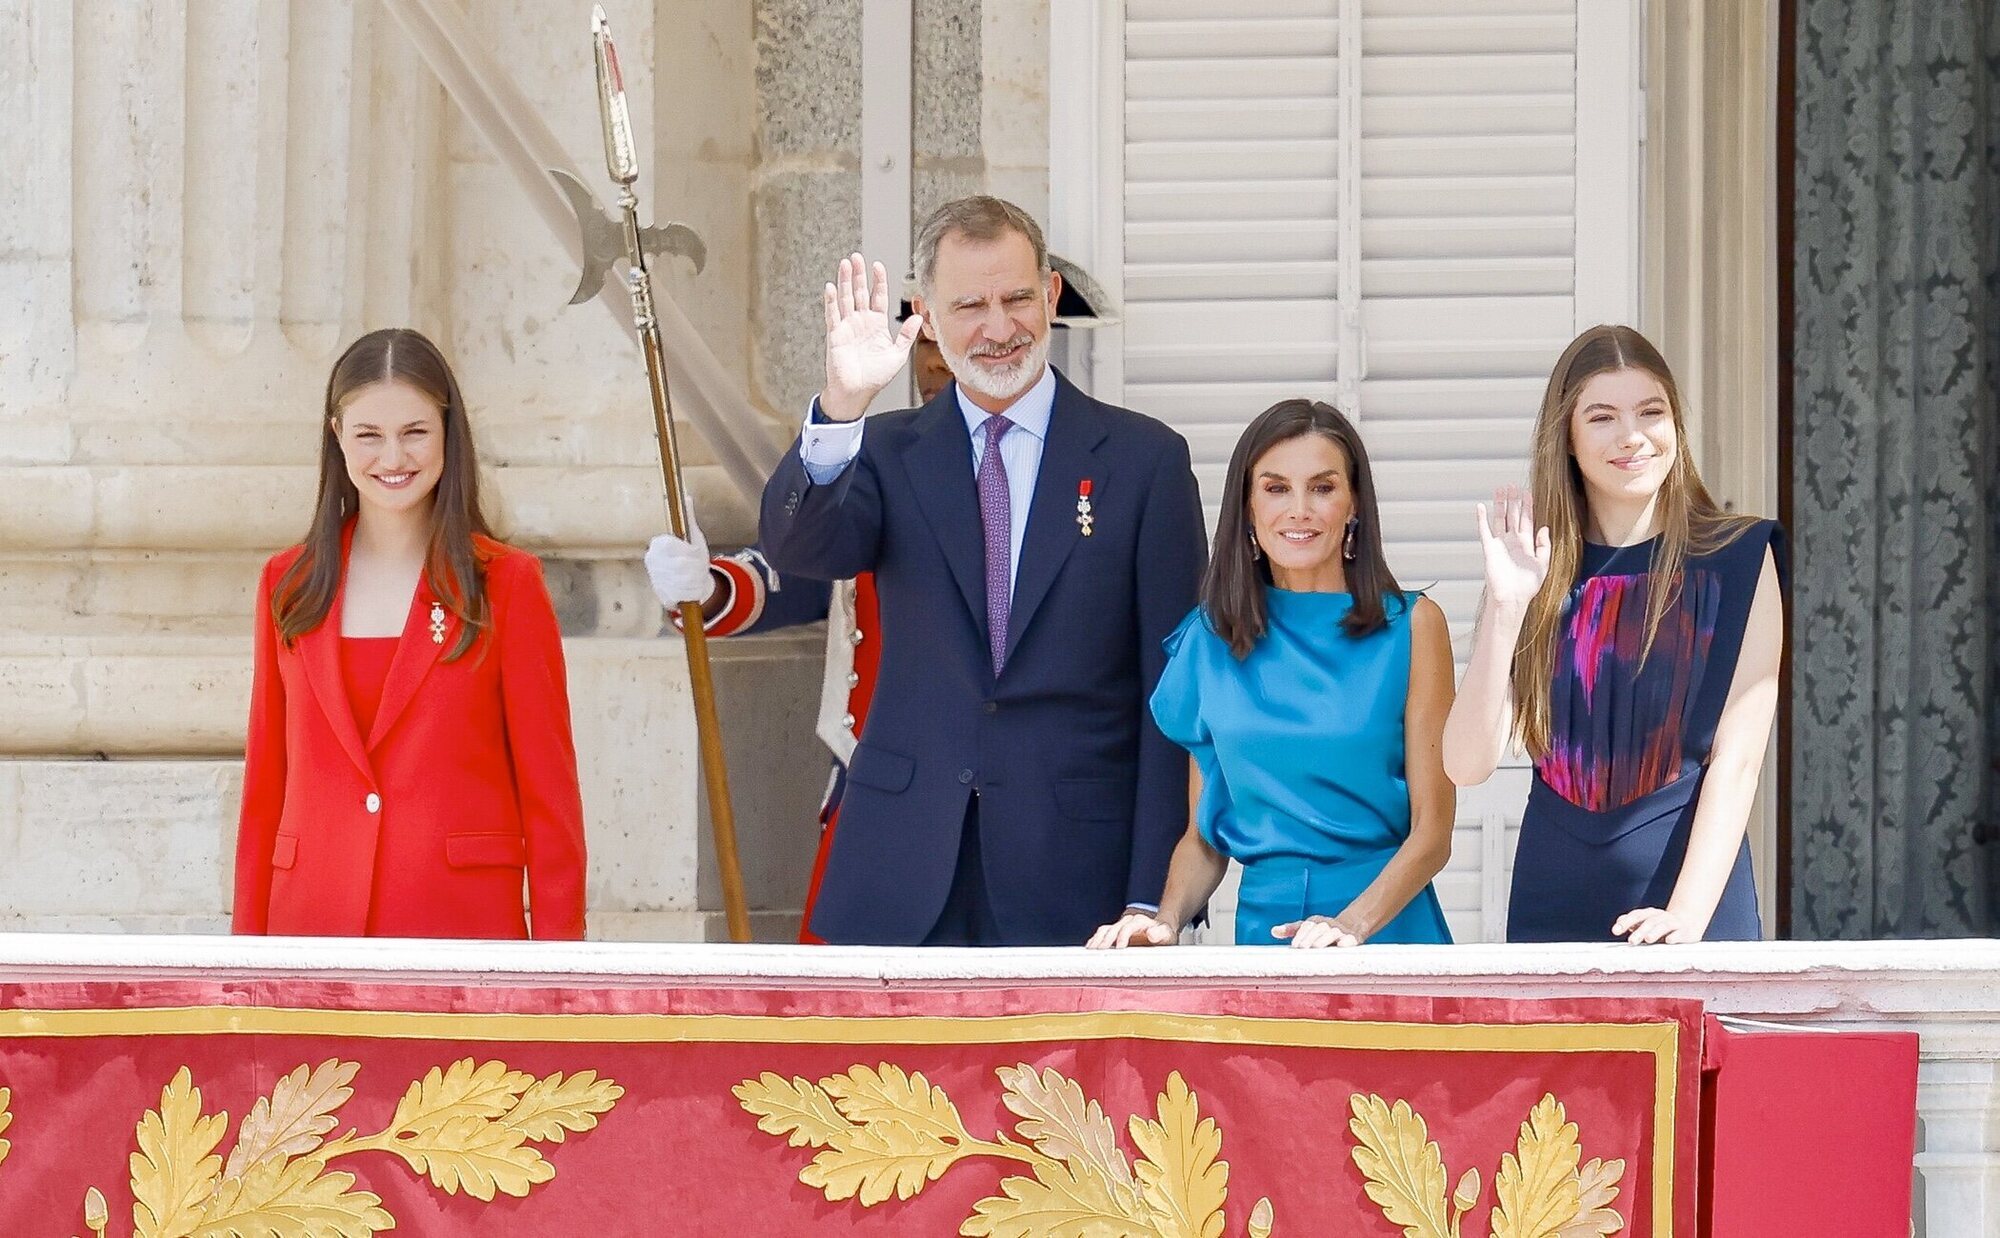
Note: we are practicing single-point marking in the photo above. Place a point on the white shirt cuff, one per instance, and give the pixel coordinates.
(826, 448)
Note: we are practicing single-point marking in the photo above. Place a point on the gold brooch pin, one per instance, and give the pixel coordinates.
(437, 623)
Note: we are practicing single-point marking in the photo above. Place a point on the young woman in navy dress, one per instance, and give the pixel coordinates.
(1630, 640)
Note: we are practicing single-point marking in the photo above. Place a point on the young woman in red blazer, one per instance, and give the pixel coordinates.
(409, 752)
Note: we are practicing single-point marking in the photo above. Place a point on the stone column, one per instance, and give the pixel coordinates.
(1711, 271)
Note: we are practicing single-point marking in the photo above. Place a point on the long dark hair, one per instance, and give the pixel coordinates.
(1232, 591)
(452, 567)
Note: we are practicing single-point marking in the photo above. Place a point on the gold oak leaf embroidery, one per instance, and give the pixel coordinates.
(174, 1171)
(554, 1106)
(867, 1096)
(903, 1134)
(887, 1132)
(473, 1154)
(1537, 1185)
(1059, 1202)
(1404, 1168)
(1180, 1175)
(6, 1120)
(458, 1091)
(1542, 1192)
(793, 1108)
(294, 1118)
(877, 1160)
(1056, 1118)
(1597, 1189)
(469, 1127)
(283, 1197)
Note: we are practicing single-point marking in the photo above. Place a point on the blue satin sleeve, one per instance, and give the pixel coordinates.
(1177, 708)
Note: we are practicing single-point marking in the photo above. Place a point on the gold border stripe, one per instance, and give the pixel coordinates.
(1660, 1039)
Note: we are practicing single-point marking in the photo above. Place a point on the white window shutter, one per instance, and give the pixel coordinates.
(1468, 239)
(1232, 154)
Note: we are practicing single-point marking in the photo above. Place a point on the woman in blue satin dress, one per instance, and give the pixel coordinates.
(1312, 692)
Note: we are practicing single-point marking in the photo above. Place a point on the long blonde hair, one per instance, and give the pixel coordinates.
(1690, 521)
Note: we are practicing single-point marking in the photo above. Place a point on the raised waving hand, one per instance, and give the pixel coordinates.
(1516, 552)
(864, 350)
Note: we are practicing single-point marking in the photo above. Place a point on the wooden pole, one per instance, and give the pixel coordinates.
(621, 160)
(701, 679)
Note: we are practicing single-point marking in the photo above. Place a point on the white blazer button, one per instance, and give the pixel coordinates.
(854, 637)
(853, 677)
(847, 722)
(374, 802)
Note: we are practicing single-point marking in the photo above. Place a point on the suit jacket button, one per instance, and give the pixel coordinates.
(965, 775)
(847, 722)
(854, 637)
(853, 677)
(992, 707)
(373, 803)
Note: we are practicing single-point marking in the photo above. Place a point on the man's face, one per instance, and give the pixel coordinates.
(990, 310)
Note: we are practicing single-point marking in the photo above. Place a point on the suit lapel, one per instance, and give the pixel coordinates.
(939, 462)
(1075, 430)
(415, 654)
(319, 654)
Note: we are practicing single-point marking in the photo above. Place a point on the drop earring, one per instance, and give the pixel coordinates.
(1256, 551)
(1347, 543)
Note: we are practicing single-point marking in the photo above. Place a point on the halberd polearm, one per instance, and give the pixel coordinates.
(601, 248)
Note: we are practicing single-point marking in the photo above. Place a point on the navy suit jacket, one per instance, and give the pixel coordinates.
(1081, 799)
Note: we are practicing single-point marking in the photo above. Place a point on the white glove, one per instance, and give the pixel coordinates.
(679, 569)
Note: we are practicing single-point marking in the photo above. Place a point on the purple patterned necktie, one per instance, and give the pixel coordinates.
(996, 514)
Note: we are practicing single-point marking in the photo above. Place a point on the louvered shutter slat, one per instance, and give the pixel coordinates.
(1227, 120)
(1144, 11)
(1289, 159)
(1233, 38)
(1251, 200)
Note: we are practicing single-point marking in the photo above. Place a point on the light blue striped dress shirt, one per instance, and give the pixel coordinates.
(828, 447)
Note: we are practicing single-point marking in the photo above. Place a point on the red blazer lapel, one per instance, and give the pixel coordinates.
(417, 651)
(319, 654)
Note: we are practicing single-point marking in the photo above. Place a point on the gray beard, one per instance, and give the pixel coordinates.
(998, 385)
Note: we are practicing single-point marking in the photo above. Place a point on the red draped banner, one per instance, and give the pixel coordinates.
(294, 1107)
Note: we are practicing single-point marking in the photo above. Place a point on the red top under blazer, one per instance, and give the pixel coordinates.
(423, 827)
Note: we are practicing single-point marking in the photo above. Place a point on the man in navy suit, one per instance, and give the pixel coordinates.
(1031, 549)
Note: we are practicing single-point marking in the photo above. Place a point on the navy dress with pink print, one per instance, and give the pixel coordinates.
(1614, 797)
